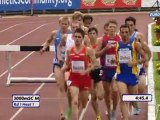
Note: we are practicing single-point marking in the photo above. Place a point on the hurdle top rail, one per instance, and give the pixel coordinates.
(15, 48)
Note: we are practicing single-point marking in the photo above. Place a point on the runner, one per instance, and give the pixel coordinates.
(77, 61)
(127, 67)
(135, 35)
(67, 43)
(97, 90)
(107, 53)
(55, 37)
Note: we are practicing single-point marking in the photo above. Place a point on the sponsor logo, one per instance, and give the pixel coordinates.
(154, 14)
(130, 2)
(129, 45)
(108, 2)
(89, 2)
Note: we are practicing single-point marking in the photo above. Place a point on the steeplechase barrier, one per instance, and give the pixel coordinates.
(15, 48)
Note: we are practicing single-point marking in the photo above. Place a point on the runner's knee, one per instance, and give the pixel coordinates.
(100, 96)
(93, 97)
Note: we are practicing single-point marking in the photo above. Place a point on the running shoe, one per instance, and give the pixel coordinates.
(69, 113)
(136, 111)
(98, 117)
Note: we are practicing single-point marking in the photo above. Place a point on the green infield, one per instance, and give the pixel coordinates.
(156, 76)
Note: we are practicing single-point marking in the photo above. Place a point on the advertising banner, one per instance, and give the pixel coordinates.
(56, 4)
(128, 3)
(20, 5)
(94, 4)
(15, 5)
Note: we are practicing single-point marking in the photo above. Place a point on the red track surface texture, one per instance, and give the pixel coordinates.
(34, 31)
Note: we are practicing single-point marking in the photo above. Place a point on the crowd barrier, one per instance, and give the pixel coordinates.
(15, 48)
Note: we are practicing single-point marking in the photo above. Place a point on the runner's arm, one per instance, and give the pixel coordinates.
(92, 57)
(140, 50)
(99, 48)
(139, 38)
(87, 41)
(147, 49)
(48, 41)
(66, 66)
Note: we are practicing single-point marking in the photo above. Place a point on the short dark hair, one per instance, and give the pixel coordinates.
(124, 26)
(130, 18)
(81, 31)
(105, 25)
(93, 29)
(86, 17)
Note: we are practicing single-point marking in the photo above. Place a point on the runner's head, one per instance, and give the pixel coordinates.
(131, 22)
(64, 23)
(87, 20)
(112, 27)
(125, 32)
(78, 36)
(78, 16)
(92, 32)
(74, 26)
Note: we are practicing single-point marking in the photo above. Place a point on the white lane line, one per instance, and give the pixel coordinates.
(35, 92)
(15, 16)
(24, 57)
(17, 63)
(26, 34)
(84, 110)
(14, 26)
(151, 83)
(10, 27)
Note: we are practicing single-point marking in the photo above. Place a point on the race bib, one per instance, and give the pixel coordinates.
(110, 60)
(77, 66)
(124, 56)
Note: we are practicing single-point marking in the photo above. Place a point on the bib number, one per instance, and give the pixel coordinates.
(78, 66)
(124, 56)
(110, 60)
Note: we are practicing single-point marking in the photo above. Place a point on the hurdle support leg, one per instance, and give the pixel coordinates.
(13, 48)
(8, 59)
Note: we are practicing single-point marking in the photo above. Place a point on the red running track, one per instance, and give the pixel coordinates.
(34, 31)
